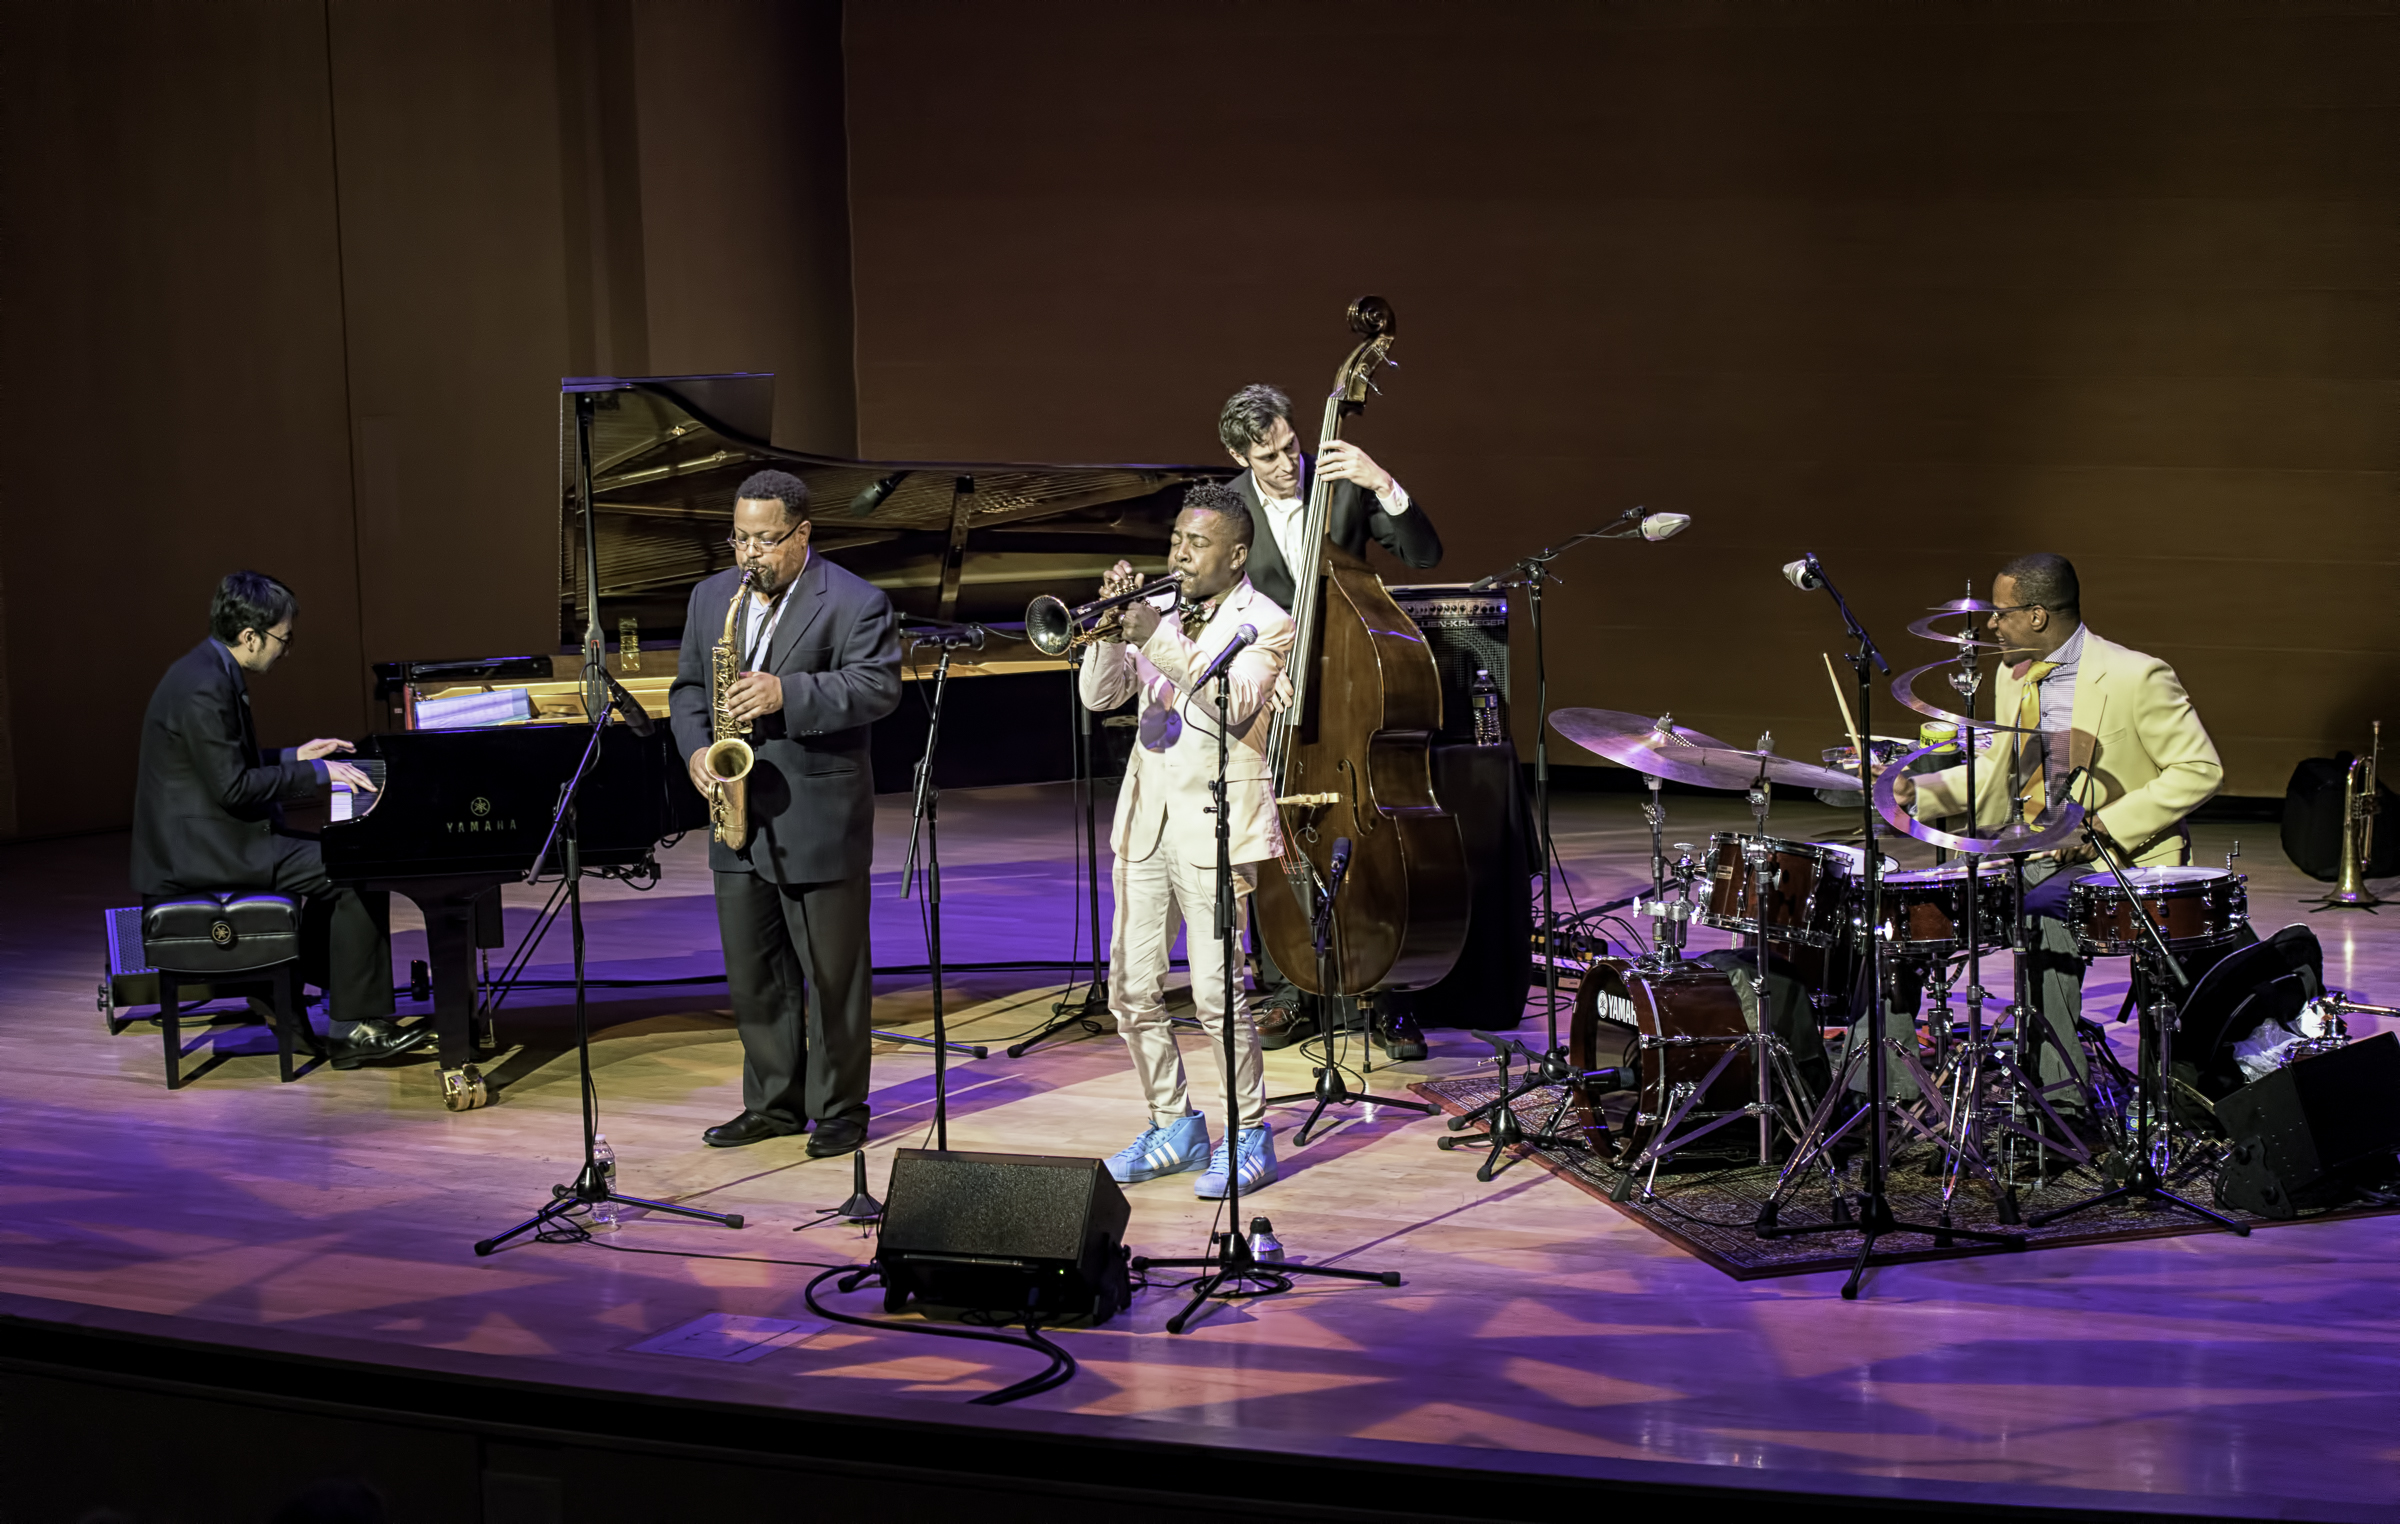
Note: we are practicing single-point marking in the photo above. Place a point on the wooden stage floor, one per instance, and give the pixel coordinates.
(1537, 1330)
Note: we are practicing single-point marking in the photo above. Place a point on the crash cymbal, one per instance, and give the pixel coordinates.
(1663, 749)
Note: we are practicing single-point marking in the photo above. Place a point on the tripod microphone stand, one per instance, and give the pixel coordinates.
(1875, 1218)
(592, 1185)
(1232, 1269)
(1330, 1089)
(924, 829)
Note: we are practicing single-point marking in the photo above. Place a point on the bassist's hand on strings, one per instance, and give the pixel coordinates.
(1343, 461)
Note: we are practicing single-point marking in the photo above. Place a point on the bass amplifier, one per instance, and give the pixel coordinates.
(1466, 630)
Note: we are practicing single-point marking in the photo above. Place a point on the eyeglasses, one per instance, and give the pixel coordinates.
(737, 539)
(2017, 608)
(271, 635)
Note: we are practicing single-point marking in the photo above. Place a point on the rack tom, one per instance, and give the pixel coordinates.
(1661, 1029)
(1791, 891)
(2192, 907)
(1924, 910)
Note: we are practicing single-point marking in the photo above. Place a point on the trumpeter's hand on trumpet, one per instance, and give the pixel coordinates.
(1138, 620)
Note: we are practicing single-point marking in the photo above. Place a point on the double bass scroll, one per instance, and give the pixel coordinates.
(1352, 754)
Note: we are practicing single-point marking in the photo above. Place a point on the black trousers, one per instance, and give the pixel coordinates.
(802, 980)
(345, 936)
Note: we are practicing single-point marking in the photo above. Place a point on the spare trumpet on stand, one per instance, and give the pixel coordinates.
(729, 757)
(1054, 629)
(2359, 807)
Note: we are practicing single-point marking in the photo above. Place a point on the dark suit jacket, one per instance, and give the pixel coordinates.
(812, 788)
(206, 803)
(1352, 516)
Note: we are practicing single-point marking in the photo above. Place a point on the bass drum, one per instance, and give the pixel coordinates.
(1619, 1005)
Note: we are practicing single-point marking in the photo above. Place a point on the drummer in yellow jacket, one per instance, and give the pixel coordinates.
(2148, 760)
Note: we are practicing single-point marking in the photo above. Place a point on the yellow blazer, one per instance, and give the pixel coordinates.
(2151, 761)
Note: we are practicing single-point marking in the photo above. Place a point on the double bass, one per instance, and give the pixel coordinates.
(1351, 756)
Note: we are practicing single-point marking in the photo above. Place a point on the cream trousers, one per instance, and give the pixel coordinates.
(1153, 898)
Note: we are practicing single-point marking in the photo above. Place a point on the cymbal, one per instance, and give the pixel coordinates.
(1663, 749)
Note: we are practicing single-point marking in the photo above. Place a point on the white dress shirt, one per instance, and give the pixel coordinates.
(1284, 513)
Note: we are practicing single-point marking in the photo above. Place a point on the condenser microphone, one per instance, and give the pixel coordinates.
(1338, 867)
(1665, 526)
(1803, 574)
(1242, 638)
(872, 497)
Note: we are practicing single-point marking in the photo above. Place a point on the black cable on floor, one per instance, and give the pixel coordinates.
(1059, 1372)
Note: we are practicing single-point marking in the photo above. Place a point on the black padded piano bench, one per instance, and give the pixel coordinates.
(231, 942)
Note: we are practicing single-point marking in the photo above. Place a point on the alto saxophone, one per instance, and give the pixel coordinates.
(728, 759)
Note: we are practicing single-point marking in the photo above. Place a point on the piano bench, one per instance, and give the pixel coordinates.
(223, 943)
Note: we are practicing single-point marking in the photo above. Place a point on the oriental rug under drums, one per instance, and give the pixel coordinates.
(1709, 1209)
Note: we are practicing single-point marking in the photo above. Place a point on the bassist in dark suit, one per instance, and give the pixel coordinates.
(1365, 503)
(208, 814)
(820, 663)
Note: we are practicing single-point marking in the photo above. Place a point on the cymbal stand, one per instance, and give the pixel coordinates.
(2158, 977)
(1875, 1218)
(1655, 812)
(1230, 1267)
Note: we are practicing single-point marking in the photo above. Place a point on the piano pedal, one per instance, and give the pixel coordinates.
(463, 1088)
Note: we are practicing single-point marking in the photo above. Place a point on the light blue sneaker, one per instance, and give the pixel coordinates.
(1258, 1165)
(1168, 1150)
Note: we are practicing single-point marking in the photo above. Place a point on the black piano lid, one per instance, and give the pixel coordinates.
(668, 453)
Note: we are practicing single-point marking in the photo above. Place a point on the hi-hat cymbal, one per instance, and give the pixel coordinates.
(1660, 747)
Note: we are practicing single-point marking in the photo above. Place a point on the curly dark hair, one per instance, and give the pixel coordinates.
(1217, 498)
(2047, 580)
(248, 600)
(783, 486)
(1249, 415)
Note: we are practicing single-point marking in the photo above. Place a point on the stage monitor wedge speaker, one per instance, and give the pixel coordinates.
(2304, 1135)
(1004, 1233)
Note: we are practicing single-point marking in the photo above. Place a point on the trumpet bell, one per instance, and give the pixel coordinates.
(1050, 625)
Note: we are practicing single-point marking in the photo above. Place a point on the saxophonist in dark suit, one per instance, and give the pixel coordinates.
(819, 661)
(208, 814)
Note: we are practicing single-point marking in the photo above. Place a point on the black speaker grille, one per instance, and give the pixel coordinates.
(1008, 1206)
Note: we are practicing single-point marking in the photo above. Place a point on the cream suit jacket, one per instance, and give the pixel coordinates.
(1165, 796)
(2151, 760)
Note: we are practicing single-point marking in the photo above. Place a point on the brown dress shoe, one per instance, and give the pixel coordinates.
(1280, 1026)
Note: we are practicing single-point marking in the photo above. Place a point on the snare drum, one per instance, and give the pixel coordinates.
(2192, 907)
(1925, 909)
(1662, 1029)
(1792, 891)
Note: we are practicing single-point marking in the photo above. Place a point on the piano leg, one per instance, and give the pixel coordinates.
(450, 947)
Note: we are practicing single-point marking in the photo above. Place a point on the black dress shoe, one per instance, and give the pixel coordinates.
(838, 1136)
(374, 1039)
(1279, 1026)
(1403, 1040)
(749, 1127)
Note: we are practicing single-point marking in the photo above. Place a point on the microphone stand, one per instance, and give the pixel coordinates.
(1330, 1089)
(592, 1186)
(924, 829)
(1531, 573)
(1233, 1270)
(1084, 1014)
(1875, 1217)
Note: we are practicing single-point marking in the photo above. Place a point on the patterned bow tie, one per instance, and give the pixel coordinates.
(1196, 617)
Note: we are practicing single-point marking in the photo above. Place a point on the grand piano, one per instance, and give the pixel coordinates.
(461, 808)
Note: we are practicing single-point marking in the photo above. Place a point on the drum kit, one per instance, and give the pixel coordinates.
(1667, 1050)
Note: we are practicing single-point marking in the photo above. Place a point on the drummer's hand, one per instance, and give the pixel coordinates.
(2081, 850)
(1904, 789)
(1141, 622)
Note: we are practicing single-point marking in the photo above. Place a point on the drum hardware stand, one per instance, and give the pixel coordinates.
(1502, 1130)
(592, 1184)
(1231, 1268)
(1330, 1089)
(1081, 1015)
(1875, 1216)
(2160, 976)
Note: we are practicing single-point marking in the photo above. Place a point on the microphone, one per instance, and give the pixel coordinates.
(1665, 526)
(872, 498)
(1803, 573)
(955, 637)
(1338, 868)
(1242, 639)
(627, 705)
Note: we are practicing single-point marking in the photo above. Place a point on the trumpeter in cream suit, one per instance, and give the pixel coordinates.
(1164, 837)
(2128, 721)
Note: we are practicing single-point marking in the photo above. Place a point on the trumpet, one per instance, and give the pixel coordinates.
(1054, 629)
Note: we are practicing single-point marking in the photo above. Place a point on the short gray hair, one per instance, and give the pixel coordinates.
(1249, 416)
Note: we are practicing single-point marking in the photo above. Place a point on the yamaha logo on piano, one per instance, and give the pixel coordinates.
(481, 823)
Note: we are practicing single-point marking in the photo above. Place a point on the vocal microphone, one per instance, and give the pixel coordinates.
(1242, 638)
(1665, 526)
(1803, 573)
(629, 706)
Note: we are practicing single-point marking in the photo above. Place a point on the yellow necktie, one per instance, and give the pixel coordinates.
(2029, 717)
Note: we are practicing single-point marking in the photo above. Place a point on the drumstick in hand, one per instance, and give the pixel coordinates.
(1856, 740)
